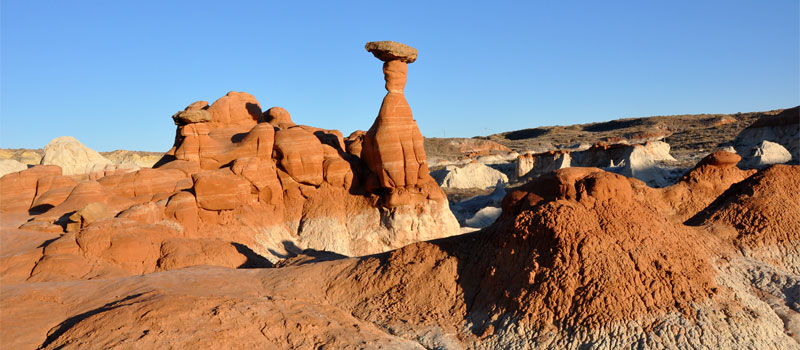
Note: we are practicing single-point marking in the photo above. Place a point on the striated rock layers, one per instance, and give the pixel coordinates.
(580, 258)
(393, 147)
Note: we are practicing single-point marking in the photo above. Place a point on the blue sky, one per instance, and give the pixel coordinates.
(111, 73)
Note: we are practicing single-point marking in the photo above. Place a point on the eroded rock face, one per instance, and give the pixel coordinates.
(270, 189)
(768, 153)
(632, 160)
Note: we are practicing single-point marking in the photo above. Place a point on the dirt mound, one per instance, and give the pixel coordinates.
(764, 213)
(579, 257)
(578, 249)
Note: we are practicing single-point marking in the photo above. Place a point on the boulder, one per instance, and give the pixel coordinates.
(192, 116)
(72, 156)
(768, 153)
(279, 117)
(472, 175)
(389, 51)
(92, 212)
(236, 108)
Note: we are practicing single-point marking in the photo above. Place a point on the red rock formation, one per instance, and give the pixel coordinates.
(234, 177)
(19, 189)
(393, 147)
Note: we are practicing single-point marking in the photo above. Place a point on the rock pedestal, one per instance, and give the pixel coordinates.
(393, 147)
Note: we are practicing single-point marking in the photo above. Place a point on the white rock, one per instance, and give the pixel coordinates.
(484, 217)
(472, 175)
(538, 164)
(72, 156)
(768, 153)
(8, 166)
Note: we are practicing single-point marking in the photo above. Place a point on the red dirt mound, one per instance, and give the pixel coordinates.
(574, 248)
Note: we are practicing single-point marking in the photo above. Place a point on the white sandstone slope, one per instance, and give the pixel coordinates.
(72, 156)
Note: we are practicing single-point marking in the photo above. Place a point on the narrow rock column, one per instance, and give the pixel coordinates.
(393, 147)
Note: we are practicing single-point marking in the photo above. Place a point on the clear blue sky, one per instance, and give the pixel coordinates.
(111, 73)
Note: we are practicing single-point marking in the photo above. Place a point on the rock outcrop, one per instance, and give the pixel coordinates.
(234, 179)
(633, 160)
(472, 175)
(72, 156)
(782, 128)
(541, 163)
(393, 147)
(767, 153)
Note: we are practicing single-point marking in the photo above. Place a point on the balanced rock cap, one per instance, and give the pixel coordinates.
(389, 50)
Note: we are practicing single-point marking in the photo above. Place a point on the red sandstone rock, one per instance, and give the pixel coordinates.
(300, 154)
(279, 117)
(262, 174)
(354, 142)
(220, 190)
(92, 212)
(236, 108)
(393, 147)
(19, 189)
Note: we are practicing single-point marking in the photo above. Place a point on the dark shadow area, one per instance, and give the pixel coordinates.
(237, 138)
(309, 256)
(291, 249)
(47, 242)
(63, 327)
(526, 134)
(254, 261)
(615, 124)
(255, 111)
(40, 209)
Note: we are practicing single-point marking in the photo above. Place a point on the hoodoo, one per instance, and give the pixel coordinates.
(393, 147)
(240, 177)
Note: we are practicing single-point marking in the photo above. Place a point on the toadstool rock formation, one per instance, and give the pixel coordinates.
(393, 147)
(246, 178)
